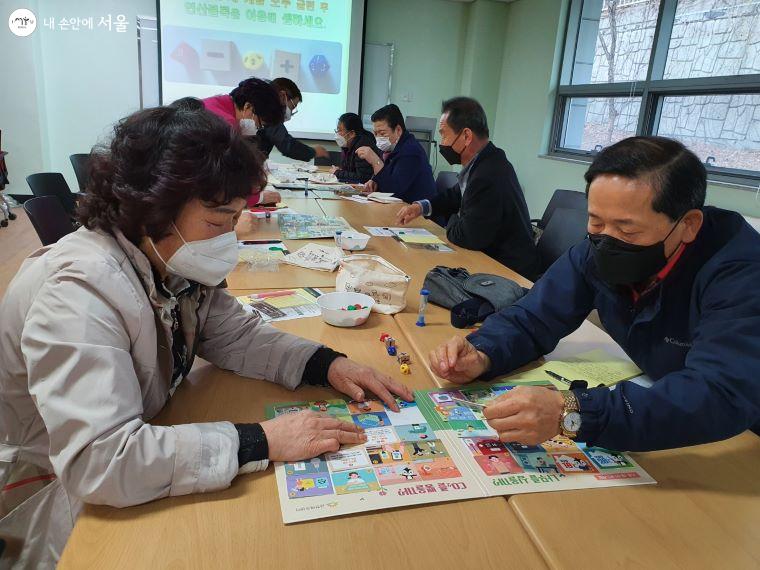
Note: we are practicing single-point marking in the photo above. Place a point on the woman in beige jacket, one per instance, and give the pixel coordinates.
(97, 331)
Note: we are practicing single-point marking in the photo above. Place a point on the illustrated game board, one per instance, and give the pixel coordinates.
(285, 305)
(435, 449)
(304, 226)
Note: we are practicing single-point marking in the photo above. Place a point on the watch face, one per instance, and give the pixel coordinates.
(572, 422)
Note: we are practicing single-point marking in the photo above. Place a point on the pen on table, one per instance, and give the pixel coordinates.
(260, 241)
(558, 377)
(273, 294)
(398, 239)
(469, 404)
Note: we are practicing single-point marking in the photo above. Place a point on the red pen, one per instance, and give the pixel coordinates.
(273, 294)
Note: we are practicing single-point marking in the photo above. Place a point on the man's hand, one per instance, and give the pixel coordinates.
(458, 361)
(527, 414)
(408, 213)
(334, 169)
(307, 434)
(321, 151)
(355, 380)
(270, 197)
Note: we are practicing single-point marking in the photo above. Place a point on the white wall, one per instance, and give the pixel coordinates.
(19, 101)
(63, 90)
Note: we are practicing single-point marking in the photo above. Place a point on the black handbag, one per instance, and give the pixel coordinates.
(470, 297)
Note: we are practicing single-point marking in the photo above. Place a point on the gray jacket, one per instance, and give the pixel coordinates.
(85, 363)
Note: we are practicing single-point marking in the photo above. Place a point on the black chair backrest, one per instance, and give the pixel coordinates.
(565, 228)
(80, 163)
(53, 184)
(445, 180)
(50, 220)
(568, 199)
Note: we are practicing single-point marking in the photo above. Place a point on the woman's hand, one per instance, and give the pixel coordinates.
(369, 187)
(355, 380)
(366, 153)
(307, 434)
(270, 197)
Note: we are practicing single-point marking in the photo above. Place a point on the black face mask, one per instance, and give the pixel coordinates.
(622, 263)
(447, 151)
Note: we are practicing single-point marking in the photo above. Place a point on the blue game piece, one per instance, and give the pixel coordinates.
(319, 65)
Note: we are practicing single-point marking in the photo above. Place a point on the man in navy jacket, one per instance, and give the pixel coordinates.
(405, 169)
(675, 284)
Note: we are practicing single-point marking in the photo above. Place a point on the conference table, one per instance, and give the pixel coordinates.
(415, 262)
(705, 510)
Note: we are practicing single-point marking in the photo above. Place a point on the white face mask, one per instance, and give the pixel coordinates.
(248, 127)
(207, 261)
(340, 140)
(288, 113)
(385, 144)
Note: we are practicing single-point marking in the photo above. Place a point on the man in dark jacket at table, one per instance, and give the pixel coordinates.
(676, 286)
(404, 170)
(277, 135)
(486, 209)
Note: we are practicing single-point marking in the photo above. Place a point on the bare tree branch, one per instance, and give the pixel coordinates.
(609, 52)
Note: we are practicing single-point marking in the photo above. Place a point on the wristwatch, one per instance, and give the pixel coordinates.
(570, 420)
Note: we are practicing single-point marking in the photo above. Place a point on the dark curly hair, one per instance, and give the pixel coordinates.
(158, 160)
(263, 97)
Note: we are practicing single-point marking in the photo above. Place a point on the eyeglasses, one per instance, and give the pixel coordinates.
(292, 106)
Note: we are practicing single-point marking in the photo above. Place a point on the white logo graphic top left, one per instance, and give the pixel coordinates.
(22, 22)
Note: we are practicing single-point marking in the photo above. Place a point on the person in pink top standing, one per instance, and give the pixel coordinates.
(251, 106)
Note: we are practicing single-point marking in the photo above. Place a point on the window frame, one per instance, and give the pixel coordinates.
(652, 90)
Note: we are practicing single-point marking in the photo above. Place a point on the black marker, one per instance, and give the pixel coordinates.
(558, 377)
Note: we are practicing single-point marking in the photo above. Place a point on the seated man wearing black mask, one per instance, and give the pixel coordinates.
(676, 286)
(486, 209)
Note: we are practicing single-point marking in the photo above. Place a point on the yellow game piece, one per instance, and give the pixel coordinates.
(405, 369)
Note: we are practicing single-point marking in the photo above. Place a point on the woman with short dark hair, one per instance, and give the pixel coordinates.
(249, 107)
(350, 136)
(100, 329)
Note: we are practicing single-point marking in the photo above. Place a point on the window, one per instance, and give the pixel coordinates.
(714, 38)
(721, 129)
(592, 123)
(685, 69)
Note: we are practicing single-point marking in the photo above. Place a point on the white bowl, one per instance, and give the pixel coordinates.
(334, 307)
(353, 241)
